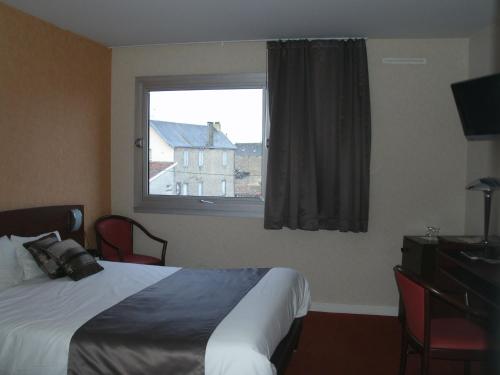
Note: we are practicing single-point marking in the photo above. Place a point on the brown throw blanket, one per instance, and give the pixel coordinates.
(163, 329)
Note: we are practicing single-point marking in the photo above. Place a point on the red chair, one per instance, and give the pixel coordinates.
(115, 239)
(439, 338)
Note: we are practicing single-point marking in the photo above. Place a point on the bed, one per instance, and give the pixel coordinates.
(40, 318)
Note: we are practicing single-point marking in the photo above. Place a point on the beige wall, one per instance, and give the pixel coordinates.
(483, 157)
(418, 169)
(54, 117)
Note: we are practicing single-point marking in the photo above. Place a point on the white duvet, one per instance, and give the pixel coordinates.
(39, 317)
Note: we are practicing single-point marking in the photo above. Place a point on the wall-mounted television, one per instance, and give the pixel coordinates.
(478, 103)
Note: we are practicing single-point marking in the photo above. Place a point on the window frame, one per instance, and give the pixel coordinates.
(200, 158)
(223, 188)
(224, 158)
(193, 205)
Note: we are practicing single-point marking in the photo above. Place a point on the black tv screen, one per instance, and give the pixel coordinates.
(478, 103)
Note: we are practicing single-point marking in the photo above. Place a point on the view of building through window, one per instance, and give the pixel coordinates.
(206, 143)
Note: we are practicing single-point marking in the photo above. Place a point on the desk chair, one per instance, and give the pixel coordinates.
(440, 338)
(115, 239)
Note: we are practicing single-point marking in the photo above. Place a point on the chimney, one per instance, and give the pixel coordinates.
(217, 126)
(211, 129)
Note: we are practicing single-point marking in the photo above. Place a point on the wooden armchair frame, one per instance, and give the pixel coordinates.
(100, 238)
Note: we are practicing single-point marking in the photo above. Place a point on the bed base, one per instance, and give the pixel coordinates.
(283, 353)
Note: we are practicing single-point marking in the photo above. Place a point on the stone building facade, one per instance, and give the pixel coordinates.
(204, 171)
(248, 170)
(202, 160)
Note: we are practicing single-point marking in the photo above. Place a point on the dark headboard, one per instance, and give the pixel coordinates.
(32, 221)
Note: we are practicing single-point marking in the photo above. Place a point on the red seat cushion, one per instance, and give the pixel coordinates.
(457, 333)
(135, 258)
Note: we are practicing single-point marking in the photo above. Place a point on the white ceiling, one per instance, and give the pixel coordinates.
(137, 22)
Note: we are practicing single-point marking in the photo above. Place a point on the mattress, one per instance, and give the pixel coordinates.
(39, 317)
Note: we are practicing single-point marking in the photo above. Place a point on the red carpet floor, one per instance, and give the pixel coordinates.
(344, 344)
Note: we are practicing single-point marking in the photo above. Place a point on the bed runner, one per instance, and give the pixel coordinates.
(164, 328)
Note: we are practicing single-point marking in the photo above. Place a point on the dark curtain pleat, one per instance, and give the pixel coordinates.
(318, 172)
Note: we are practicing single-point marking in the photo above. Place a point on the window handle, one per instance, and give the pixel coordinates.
(206, 202)
(138, 142)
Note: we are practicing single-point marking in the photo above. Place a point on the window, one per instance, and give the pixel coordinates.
(219, 117)
(223, 187)
(224, 159)
(200, 159)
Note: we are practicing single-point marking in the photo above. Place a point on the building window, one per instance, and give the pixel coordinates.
(200, 158)
(223, 188)
(179, 114)
(224, 159)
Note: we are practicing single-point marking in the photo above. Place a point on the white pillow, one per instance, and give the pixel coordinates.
(10, 271)
(25, 259)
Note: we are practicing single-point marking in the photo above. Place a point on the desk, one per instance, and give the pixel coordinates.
(439, 262)
(476, 276)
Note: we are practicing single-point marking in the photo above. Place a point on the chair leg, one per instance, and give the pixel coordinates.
(404, 354)
(466, 367)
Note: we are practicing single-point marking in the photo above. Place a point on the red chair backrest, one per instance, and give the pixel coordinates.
(413, 296)
(119, 233)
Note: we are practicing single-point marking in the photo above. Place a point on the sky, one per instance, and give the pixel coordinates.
(238, 111)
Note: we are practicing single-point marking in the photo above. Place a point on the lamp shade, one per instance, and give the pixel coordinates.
(487, 184)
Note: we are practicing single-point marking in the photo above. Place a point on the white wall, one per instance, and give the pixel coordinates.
(159, 150)
(483, 157)
(418, 169)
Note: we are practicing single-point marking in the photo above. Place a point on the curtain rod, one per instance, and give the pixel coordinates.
(222, 42)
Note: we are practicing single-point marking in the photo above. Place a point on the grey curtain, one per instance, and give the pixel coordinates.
(318, 171)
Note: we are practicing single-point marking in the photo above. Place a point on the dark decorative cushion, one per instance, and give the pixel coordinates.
(60, 258)
(38, 250)
(74, 259)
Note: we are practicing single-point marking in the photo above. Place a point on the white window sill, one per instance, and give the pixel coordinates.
(193, 206)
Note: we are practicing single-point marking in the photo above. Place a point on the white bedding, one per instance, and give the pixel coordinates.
(39, 317)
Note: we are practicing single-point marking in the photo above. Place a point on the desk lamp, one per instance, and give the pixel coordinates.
(487, 185)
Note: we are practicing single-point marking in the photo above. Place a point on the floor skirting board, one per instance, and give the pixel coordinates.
(354, 309)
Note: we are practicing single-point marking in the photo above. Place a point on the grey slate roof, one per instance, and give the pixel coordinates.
(189, 135)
